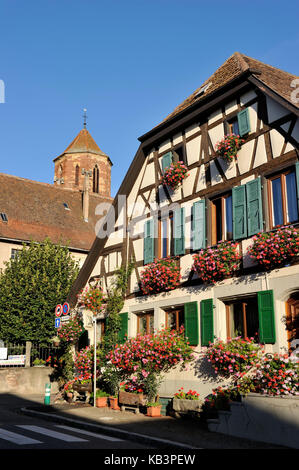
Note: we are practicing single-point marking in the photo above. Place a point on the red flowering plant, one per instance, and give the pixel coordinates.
(228, 147)
(234, 357)
(277, 375)
(71, 330)
(145, 358)
(190, 395)
(175, 174)
(84, 361)
(92, 298)
(275, 249)
(159, 276)
(213, 264)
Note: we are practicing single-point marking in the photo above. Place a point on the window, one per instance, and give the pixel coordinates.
(95, 179)
(77, 173)
(14, 253)
(179, 154)
(65, 205)
(283, 198)
(242, 318)
(3, 217)
(175, 318)
(165, 236)
(232, 126)
(145, 323)
(222, 219)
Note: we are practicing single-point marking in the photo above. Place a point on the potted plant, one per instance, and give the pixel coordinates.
(39, 362)
(113, 402)
(153, 409)
(174, 175)
(101, 399)
(68, 390)
(186, 401)
(228, 147)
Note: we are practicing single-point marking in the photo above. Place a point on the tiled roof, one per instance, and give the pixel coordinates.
(36, 211)
(277, 80)
(82, 143)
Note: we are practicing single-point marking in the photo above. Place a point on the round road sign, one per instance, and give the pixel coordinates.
(65, 308)
(58, 310)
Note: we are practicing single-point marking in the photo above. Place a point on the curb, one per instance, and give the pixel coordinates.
(115, 432)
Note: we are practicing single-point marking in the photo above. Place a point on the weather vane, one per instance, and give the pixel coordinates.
(84, 117)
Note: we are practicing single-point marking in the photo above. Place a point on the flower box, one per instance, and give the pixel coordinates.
(174, 175)
(82, 387)
(183, 405)
(228, 147)
(161, 276)
(132, 399)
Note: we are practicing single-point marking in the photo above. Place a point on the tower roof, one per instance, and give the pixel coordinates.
(83, 143)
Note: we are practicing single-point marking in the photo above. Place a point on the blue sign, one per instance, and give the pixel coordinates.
(57, 322)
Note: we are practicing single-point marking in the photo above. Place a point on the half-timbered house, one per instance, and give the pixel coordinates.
(218, 201)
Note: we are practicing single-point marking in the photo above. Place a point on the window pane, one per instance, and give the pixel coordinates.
(171, 323)
(291, 191)
(277, 202)
(142, 325)
(229, 217)
(151, 323)
(235, 127)
(164, 223)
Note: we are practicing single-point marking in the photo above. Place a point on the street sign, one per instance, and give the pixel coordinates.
(57, 322)
(65, 319)
(58, 310)
(65, 308)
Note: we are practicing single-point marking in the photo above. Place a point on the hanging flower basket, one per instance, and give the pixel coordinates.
(214, 264)
(175, 174)
(71, 331)
(92, 298)
(275, 249)
(160, 276)
(228, 147)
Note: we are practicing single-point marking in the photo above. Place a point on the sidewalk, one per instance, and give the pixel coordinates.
(162, 432)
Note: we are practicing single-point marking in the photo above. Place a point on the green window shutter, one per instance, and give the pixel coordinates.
(243, 121)
(297, 180)
(239, 212)
(199, 225)
(149, 242)
(179, 231)
(266, 316)
(123, 332)
(206, 322)
(191, 322)
(254, 206)
(166, 161)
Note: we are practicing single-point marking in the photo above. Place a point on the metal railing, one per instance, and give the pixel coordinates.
(27, 354)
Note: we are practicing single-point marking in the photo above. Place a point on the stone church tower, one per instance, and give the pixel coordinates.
(81, 156)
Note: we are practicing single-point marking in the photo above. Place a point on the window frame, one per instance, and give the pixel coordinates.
(169, 246)
(243, 302)
(214, 228)
(147, 315)
(176, 311)
(282, 175)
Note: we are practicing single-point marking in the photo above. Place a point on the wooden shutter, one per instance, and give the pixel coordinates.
(199, 225)
(254, 206)
(239, 212)
(149, 242)
(206, 322)
(266, 316)
(166, 161)
(297, 180)
(243, 121)
(123, 332)
(191, 322)
(179, 231)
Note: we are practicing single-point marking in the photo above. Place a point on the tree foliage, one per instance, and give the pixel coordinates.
(31, 285)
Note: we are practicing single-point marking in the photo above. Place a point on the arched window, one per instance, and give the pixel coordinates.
(95, 179)
(77, 173)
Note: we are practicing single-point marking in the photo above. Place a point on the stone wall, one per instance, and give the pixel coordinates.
(26, 380)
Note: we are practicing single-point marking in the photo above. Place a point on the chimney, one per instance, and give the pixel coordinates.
(85, 201)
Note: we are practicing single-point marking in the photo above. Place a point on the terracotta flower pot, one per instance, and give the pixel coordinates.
(113, 401)
(101, 402)
(69, 397)
(153, 411)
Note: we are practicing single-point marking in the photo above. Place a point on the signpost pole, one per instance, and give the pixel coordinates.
(95, 362)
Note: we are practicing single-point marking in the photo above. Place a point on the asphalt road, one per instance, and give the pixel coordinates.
(22, 432)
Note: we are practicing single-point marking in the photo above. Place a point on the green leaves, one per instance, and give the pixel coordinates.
(31, 286)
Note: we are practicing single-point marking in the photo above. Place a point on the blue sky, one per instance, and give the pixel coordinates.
(128, 62)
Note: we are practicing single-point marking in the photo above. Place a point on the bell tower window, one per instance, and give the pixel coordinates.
(77, 173)
(95, 179)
